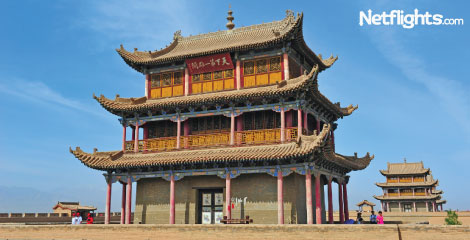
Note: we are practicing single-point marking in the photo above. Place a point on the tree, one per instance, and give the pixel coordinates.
(452, 218)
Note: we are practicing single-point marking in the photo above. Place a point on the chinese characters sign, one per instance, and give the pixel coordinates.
(211, 63)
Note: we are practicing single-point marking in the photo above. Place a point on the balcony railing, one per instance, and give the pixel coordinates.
(420, 194)
(392, 180)
(418, 179)
(405, 180)
(406, 194)
(213, 140)
(392, 194)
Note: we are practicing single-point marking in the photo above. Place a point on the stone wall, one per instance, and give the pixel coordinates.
(412, 217)
(257, 193)
(227, 232)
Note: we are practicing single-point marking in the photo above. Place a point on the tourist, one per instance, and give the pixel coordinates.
(359, 218)
(89, 219)
(74, 219)
(380, 218)
(373, 218)
(79, 219)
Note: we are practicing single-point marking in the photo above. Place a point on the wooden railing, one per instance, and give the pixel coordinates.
(406, 194)
(258, 136)
(420, 194)
(212, 140)
(392, 180)
(206, 140)
(392, 194)
(405, 180)
(418, 179)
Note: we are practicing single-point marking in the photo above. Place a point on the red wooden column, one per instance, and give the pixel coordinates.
(237, 73)
(299, 122)
(308, 192)
(124, 128)
(228, 193)
(123, 204)
(186, 130)
(280, 198)
(286, 66)
(317, 199)
(427, 206)
(178, 133)
(433, 206)
(283, 125)
(239, 128)
(128, 200)
(172, 199)
(306, 121)
(414, 207)
(186, 81)
(136, 139)
(442, 208)
(388, 207)
(345, 195)
(330, 201)
(232, 128)
(107, 212)
(340, 199)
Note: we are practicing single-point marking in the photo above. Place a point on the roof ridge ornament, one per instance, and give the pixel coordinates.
(230, 25)
(177, 35)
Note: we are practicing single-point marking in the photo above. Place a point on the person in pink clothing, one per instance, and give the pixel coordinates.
(380, 218)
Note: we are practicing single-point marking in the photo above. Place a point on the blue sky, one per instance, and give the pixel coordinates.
(411, 86)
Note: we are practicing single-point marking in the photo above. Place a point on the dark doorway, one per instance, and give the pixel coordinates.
(210, 206)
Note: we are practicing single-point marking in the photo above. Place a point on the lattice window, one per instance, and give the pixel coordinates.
(166, 84)
(248, 68)
(275, 64)
(261, 72)
(213, 81)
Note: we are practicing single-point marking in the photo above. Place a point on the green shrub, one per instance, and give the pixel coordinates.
(452, 218)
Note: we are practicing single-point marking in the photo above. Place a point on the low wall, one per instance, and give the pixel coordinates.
(437, 218)
(193, 232)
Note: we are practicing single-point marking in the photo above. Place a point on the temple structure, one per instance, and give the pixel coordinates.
(409, 188)
(232, 125)
(72, 207)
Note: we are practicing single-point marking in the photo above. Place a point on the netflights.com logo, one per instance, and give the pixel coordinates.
(397, 17)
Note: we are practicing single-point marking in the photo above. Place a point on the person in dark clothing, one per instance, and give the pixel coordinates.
(373, 218)
(359, 218)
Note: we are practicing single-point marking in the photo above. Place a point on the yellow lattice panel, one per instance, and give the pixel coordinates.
(229, 84)
(262, 79)
(292, 133)
(275, 77)
(207, 87)
(130, 146)
(219, 85)
(178, 90)
(166, 92)
(196, 88)
(249, 81)
(156, 93)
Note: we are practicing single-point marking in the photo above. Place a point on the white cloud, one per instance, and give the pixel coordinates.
(145, 24)
(449, 93)
(39, 92)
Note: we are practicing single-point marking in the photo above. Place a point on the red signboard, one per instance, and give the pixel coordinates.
(210, 63)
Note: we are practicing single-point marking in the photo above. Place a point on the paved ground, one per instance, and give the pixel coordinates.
(193, 232)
